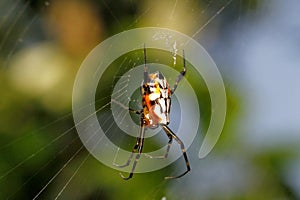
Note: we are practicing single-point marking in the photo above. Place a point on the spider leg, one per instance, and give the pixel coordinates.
(138, 141)
(145, 66)
(182, 73)
(135, 111)
(174, 136)
(137, 157)
(127, 108)
(139, 147)
(168, 148)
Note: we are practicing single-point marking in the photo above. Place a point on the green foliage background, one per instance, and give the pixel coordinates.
(39, 142)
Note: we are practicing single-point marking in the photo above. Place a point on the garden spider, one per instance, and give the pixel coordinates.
(156, 101)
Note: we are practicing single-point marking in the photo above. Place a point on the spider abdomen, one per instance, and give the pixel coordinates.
(156, 100)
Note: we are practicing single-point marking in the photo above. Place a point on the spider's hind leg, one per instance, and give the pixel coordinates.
(146, 77)
(181, 75)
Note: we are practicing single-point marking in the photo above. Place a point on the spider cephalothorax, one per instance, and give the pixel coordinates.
(156, 101)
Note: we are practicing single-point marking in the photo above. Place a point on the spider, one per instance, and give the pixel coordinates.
(156, 101)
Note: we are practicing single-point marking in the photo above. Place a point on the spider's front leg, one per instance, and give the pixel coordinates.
(138, 147)
(139, 141)
(176, 138)
(167, 151)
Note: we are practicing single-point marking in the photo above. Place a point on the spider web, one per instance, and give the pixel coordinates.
(51, 159)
